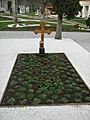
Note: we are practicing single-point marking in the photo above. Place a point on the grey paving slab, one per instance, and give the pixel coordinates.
(79, 57)
(46, 113)
(82, 38)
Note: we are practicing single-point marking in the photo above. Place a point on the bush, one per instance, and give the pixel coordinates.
(11, 101)
(76, 26)
(88, 99)
(36, 101)
(23, 102)
(43, 96)
(88, 22)
(50, 101)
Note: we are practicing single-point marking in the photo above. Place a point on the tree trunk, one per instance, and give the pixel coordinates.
(25, 9)
(15, 12)
(1, 3)
(29, 8)
(59, 27)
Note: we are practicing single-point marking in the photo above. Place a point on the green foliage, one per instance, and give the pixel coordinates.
(78, 100)
(69, 90)
(36, 101)
(30, 96)
(43, 96)
(48, 86)
(78, 95)
(30, 91)
(22, 89)
(63, 76)
(20, 95)
(69, 8)
(29, 86)
(68, 86)
(78, 89)
(23, 102)
(49, 92)
(11, 90)
(5, 18)
(69, 66)
(85, 91)
(11, 101)
(68, 81)
(88, 98)
(74, 75)
(70, 78)
(64, 100)
(54, 97)
(67, 96)
(49, 101)
(24, 83)
(72, 70)
(88, 22)
(58, 91)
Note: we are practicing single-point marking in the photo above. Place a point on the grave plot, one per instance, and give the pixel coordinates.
(48, 79)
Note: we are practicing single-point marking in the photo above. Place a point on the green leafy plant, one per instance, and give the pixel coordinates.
(49, 101)
(67, 96)
(88, 22)
(34, 81)
(78, 95)
(13, 83)
(78, 100)
(54, 97)
(78, 89)
(22, 89)
(36, 101)
(20, 95)
(68, 86)
(43, 96)
(23, 102)
(88, 99)
(30, 96)
(64, 100)
(11, 101)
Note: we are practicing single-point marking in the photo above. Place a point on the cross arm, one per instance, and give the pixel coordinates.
(48, 31)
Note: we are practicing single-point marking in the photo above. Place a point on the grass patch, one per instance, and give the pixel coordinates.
(5, 18)
(66, 26)
(44, 80)
(81, 21)
(4, 26)
(69, 28)
(30, 14)
(6, 14)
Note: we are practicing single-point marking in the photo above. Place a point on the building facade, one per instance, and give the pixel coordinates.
(23, 4)
(85, 8)
(27, 5)
(7, 4)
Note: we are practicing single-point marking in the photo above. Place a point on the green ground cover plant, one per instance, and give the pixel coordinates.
(5, 18)
(48, 79)
(80, 20)
(69, 28)
(67, 25)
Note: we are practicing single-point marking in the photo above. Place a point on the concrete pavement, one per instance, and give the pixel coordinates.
(82, 38)
(80, 59)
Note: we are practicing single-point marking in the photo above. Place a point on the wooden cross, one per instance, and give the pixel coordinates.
(42, 31)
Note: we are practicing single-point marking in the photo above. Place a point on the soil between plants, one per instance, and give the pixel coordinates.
(48, 79)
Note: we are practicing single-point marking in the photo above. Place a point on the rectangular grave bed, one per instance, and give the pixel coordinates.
(48, 79)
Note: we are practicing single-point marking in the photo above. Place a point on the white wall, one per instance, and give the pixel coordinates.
(85, 11)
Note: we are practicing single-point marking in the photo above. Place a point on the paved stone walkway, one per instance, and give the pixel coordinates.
(66, 22)
(82, 38)
(79, 57)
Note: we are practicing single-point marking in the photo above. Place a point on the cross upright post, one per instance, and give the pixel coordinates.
(42, 31)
